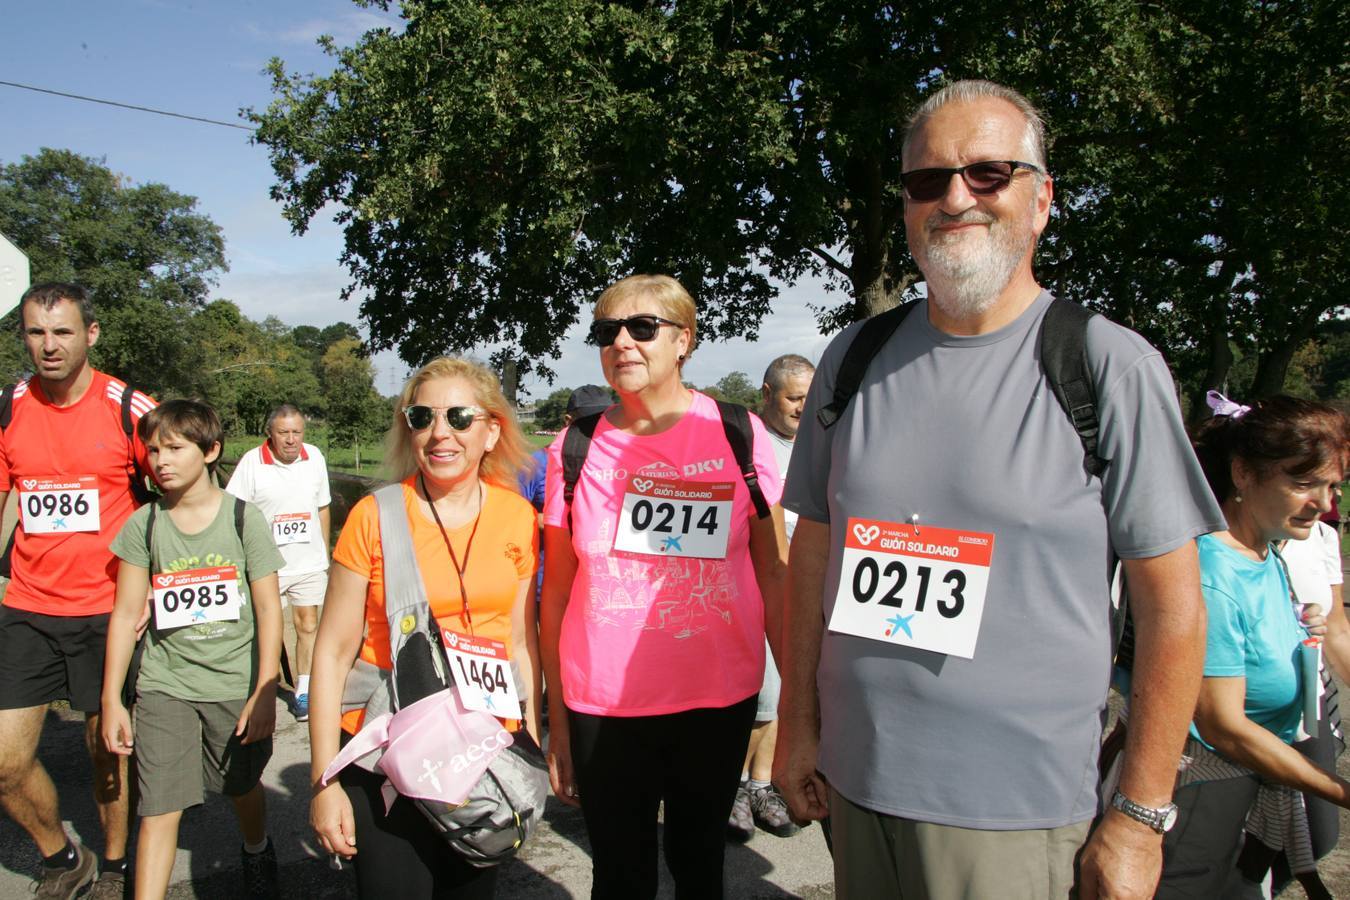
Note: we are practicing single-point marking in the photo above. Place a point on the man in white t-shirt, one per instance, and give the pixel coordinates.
(758, 802)
(288, 480)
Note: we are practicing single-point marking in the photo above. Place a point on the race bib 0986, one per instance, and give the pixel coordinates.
(59, 504)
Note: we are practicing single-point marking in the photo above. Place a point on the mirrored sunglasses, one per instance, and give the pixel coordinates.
(459, 418)
(981, 178)
(640, 328)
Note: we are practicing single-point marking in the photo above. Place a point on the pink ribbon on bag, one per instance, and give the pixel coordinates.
(433, 749)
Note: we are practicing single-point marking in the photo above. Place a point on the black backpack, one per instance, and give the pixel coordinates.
(735, 424)
(1063, 348)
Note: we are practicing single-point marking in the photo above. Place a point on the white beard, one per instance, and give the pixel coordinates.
(967, 273)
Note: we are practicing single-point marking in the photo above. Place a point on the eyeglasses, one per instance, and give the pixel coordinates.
(981, 178)
(640, 328)
(459, 418)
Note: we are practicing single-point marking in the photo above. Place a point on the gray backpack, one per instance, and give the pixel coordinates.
(503, 807)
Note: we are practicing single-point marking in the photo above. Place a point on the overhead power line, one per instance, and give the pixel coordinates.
(158, 112)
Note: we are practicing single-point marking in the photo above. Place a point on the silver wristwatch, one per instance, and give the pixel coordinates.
(1160, 820)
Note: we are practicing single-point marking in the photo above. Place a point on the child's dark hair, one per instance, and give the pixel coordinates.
(191, 419)
(1285, 433)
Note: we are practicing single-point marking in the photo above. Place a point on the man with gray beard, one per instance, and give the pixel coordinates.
(948, 642)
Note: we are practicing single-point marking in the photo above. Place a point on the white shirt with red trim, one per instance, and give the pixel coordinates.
(290, 495)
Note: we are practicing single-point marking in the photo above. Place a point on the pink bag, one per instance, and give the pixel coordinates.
(433, 749)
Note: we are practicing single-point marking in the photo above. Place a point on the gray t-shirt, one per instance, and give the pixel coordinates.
(965, 433)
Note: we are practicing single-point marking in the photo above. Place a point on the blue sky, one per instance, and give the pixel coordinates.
(205, 59)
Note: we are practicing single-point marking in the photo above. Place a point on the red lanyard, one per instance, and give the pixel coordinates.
(468, 548)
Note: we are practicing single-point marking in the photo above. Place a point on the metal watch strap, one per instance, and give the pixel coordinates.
(1159, 819)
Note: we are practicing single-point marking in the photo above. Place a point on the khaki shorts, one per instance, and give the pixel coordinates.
(884, 857)
(187, 747)
(304, 590)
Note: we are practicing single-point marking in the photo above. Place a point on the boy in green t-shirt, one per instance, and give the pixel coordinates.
(206, 690)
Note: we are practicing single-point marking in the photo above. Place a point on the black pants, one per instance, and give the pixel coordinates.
(1201, 849)
(625, 767)
(400, 855)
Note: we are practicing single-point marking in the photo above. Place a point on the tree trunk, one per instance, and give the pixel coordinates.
(1272, 365)
(1220, 362)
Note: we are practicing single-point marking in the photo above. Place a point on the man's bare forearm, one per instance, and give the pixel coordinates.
(803, 624)
(1169, 620)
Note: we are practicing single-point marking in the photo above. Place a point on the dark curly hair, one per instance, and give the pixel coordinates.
(1282, 433)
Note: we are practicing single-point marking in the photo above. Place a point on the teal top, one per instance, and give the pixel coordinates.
(1253, 633)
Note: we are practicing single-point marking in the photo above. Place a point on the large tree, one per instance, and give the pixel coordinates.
(495, 164)
(145, 251)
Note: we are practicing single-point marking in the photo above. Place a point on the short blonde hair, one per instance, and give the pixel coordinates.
(669, 295)
(502, 464)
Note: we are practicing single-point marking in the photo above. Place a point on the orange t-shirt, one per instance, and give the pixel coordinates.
(505, 551)
(70, 573)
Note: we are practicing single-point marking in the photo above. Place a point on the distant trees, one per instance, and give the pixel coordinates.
(146, 253)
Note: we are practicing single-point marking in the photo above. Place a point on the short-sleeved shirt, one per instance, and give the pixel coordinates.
(70, 573)
(211, 661)
(782, 454)
(503, 552)
(287, 492)
(645, 634)
(532, 479)
(965, 433)
(1315, 564)
(1253, 633)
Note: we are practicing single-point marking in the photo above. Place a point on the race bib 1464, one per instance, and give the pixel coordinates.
(919, 586)
(58, 504)
(482, 674)
(669, 517)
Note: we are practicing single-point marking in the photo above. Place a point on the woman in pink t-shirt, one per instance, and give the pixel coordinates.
(661, 584)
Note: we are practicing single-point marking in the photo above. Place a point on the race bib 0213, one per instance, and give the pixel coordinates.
(915, 585)
(669, 517)
(195, 597)
(58, 504)
(292, 528)
(482, 674)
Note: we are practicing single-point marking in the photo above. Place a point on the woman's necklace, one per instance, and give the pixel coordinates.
(460, 571)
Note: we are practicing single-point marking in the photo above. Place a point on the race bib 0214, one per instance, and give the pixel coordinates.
(918, 586)
(669, 517)
(195, 597)
(58, 504)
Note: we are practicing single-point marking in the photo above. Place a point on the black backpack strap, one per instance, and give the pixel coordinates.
(1063, 345)
(7, 405)
(873, 335)
(138, 488)
(575, 447)
(736, 424)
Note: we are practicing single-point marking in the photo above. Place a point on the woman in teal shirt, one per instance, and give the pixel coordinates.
(1272, 466)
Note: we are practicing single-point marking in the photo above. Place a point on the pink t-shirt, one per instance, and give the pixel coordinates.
(650, 634)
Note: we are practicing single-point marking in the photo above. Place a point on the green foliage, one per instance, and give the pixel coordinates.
(145, 252)
(736, 387)
(549, 412)
(354, 410)
(500, 163)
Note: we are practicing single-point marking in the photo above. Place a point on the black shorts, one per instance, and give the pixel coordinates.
(46, 658)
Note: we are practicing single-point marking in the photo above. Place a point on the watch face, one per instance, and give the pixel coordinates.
(1169, 816)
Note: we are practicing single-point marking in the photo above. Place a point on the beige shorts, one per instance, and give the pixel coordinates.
(304, 590)
(185, 748)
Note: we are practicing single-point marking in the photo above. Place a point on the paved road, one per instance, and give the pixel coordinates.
(555, 863)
